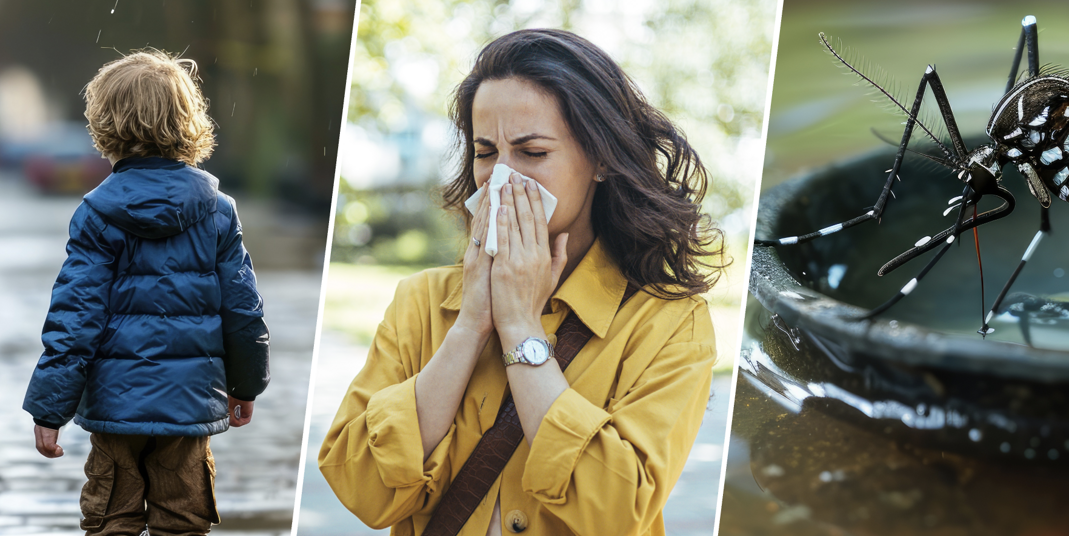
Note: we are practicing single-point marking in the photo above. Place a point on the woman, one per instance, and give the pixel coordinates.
(604, 442)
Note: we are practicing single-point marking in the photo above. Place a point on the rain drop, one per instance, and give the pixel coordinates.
(1058, 272)
(1004, 447)
(233, 109)
(115, 6)
(98, 34)
(256, 70)
(975, 435)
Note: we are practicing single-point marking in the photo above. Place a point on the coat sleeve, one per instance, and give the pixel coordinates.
(610, 472)
(246, 339)
(372, 456)
(76, 321)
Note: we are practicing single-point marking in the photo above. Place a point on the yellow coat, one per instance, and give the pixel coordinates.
(606, 454)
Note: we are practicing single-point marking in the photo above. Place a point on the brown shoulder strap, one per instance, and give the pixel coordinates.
(498, 444)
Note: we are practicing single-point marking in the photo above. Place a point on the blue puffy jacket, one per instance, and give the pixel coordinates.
(155, 284)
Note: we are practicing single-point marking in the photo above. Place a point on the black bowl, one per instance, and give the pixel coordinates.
(824, 286)
(919, 372)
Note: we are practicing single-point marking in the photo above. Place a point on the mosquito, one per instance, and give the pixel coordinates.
(1027, 129)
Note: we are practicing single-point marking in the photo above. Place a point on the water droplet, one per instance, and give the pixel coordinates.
(975, 434)
(1029, 453)
(98, 34)
(1052, 454)
(825, 476)
(233, 109)
(1005, 447)
(1058, 272)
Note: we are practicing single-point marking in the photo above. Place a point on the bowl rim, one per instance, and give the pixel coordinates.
(776, 288)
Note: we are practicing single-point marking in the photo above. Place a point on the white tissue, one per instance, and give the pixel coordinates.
(497, 180)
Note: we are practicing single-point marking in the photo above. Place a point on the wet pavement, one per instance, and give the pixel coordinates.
(691, 507)
(257, 464)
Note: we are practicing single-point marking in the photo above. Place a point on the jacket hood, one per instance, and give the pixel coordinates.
(154, 197)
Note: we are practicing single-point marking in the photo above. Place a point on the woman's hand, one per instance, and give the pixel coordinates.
(475, 310)
(524, 273)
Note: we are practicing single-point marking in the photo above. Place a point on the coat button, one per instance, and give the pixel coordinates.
(516, 521)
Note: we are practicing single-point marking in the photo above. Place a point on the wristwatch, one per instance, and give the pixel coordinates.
(532, 351)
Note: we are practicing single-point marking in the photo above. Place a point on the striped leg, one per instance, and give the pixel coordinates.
(947, 237)
(930, 79)
(1044, 229)
(912, 284)
(1030, 40)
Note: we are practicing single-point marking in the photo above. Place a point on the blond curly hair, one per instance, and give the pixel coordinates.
(148, 104)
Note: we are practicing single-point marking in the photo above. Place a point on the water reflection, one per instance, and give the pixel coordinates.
(826, 443)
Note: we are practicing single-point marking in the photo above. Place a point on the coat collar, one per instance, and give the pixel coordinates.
(593, 291)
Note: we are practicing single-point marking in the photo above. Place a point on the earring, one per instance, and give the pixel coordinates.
(599, 178)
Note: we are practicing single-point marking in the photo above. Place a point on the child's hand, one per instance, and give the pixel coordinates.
(46, 441)
(240, 412)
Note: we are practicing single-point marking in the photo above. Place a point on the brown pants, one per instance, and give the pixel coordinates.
(164, 483)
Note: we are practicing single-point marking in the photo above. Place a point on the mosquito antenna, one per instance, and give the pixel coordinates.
(888, 94)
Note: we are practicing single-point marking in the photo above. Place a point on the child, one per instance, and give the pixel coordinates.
(155, 333)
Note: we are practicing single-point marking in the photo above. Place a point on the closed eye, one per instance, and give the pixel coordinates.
(480, 156)
(535, 154)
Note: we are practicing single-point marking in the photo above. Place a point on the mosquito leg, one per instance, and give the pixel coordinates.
(877, 211)
(941, 99)
(1028, 29)
(947, 237)
(1027, 39)
(912, 284)
(1044, 229)
(985, 217)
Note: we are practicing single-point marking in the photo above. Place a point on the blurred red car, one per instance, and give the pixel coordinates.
(61, 161)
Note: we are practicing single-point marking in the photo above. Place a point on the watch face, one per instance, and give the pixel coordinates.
(535, 351)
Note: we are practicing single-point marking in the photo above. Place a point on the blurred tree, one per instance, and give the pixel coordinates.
(273, 71)
(704, 62)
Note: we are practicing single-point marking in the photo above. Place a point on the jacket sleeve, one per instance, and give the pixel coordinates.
(610, 472)
(246, 339)
(372, 456)
(76, 321)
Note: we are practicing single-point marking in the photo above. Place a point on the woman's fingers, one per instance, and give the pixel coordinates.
(539, 212)
(503, 230)
(524, 217)
(479, 224)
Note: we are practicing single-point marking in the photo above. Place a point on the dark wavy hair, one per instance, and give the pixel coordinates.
(646, 212)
